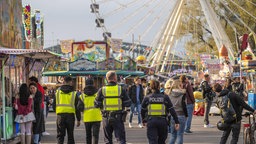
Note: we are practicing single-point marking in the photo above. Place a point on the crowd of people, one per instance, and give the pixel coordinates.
(162, 107)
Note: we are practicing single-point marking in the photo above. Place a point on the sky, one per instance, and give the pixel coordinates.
(130, 20)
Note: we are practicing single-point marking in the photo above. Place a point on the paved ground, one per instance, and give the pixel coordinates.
(138, 136)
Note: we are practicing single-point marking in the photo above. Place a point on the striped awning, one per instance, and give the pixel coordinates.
(31, 53)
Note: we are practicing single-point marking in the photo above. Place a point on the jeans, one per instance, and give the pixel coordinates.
(36, 138)
(177, 135)
(235, 133)
(207, 107)
(138, 107)
(190, 110)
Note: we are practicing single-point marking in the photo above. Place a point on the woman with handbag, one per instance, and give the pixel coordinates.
(25, 115)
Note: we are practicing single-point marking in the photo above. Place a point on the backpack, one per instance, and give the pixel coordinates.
(227, 111)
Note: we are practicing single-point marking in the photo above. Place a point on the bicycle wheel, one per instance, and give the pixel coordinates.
(253, 134)
(247, 136)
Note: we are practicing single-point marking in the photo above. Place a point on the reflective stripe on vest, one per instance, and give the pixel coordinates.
(65, 103)
(91, 114)
(87, 106)
(112, 100)
(156, 109)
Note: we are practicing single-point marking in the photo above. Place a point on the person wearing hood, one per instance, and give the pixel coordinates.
(155, 109)
(238, 105)
(64, 105)
(92, 116)
(178, 98)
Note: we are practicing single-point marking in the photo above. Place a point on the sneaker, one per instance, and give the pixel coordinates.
(45, 133)
(130, 125)
(208, 126)
(140, 126)
(188, 131)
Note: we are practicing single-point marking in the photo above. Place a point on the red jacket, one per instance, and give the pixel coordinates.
(24, 109)
(41, 89)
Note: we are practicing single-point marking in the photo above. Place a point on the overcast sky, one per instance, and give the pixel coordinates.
(72, 19)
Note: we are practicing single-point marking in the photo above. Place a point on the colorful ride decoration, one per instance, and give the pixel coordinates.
(247, 55)
(93, 56)
(27, 22)
(141, 59)
(223, 53)
(199, 103)
(91, 50)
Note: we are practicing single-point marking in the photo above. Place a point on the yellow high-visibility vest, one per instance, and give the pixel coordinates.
(156, 109)
(91, 114)
(65, 102)
(112, 100)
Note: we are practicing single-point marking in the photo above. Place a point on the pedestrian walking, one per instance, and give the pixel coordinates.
(208, 95)
(25, 115)
(238, 105)
(65, 103)
(136, 94)
(113, 99)
(37, 124)
(177, 94)
(92, 116)
(154, 110)
(190, 100)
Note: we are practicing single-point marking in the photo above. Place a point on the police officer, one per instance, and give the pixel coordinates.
(65, 103)
(92, 116)
(113, 99)
(155, 109)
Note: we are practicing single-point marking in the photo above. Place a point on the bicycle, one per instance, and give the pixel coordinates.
(249, 129)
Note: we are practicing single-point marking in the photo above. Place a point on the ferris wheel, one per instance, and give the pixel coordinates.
(139, 22)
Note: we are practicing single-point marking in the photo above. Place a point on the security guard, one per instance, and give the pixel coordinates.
(113, 99)
(65, 103)
(92, 115)
(154, 110)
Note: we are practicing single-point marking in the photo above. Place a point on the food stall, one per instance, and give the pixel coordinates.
(25, 58)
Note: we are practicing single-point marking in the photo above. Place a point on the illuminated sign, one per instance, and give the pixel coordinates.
(27, 21)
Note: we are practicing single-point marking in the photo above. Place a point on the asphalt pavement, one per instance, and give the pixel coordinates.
(137, 135)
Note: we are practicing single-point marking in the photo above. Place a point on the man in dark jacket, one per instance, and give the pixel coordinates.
(112, 99)
(238, 105)
(136, 95)
(238, 87)
(207, 95)
(64, 104)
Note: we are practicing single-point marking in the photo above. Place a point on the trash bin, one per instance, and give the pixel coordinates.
(8, 123)
(252, 100)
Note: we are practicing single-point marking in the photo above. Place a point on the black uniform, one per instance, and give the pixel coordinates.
(112, 120)
(157, 125)
(238, 105)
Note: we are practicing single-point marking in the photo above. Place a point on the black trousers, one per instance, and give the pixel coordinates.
(235, 133)
(117, 126)
(92, 132)
(65, 122)
(157, 130)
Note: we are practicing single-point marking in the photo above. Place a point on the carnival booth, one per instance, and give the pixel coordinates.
(16, 65)
(94, 58)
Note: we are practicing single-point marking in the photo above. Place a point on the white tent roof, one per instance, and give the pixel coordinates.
(31, 53)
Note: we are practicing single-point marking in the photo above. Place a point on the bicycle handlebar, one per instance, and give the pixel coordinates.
(246, 114)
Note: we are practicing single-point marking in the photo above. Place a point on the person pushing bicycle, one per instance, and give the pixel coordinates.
(238, 105)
